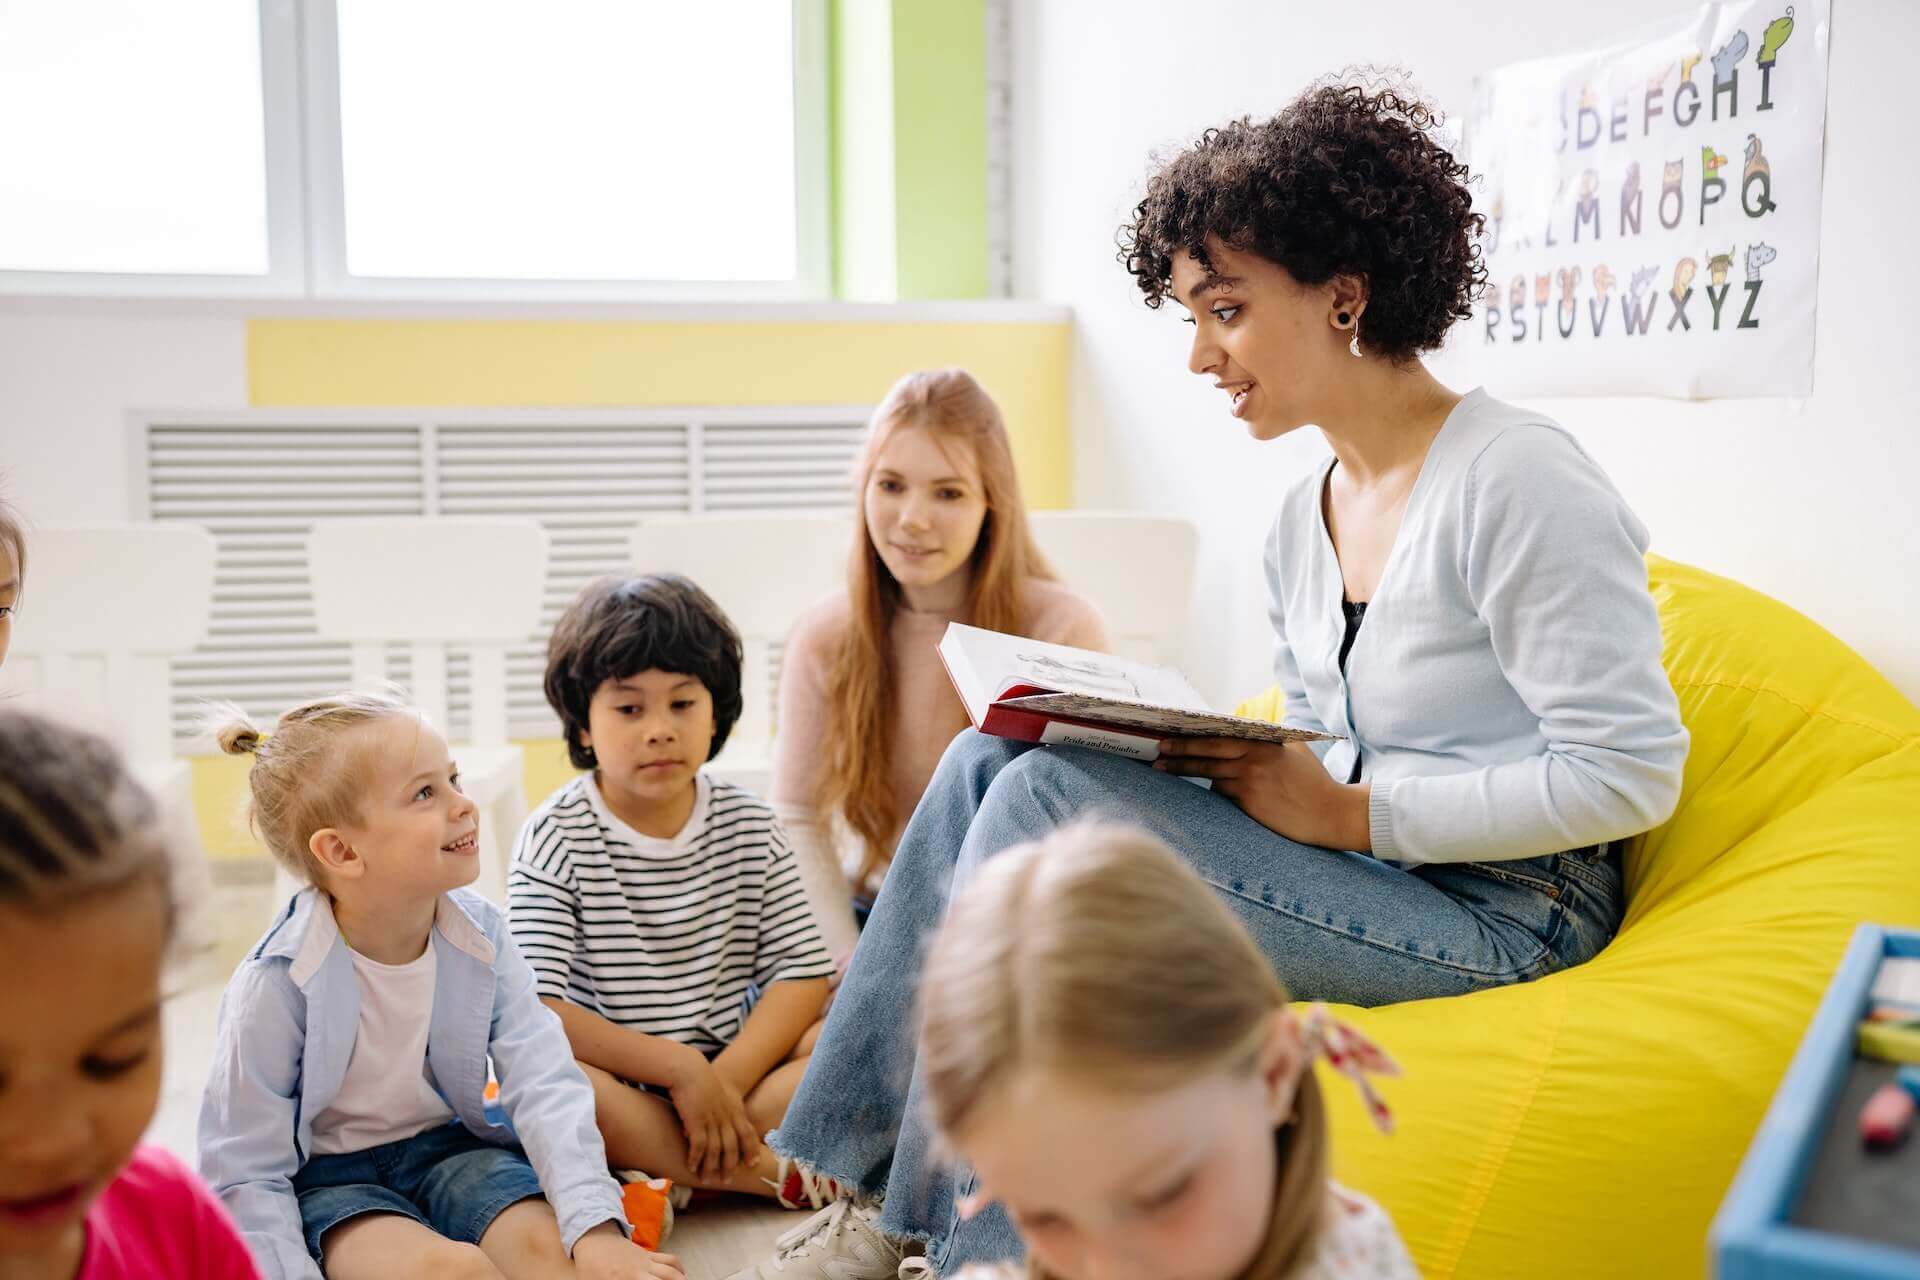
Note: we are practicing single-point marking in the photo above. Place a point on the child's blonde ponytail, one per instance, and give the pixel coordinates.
(302, 780)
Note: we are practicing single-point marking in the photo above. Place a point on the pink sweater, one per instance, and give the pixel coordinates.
(932, 713)
(157, 1221)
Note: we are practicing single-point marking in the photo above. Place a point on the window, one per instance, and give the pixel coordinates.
(133, 142)
(599, 140)
(432, 148)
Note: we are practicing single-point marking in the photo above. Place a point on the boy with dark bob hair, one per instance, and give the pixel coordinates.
(661, 909)
(617, 626)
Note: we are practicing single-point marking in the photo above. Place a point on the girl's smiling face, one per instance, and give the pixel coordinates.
(924, 506)
(80, 1054)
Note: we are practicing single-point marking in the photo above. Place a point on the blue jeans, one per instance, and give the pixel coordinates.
(1337, 926)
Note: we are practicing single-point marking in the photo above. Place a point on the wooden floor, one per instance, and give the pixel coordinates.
(713, 1240)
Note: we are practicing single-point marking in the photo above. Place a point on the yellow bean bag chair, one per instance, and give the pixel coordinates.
(1589, 1123)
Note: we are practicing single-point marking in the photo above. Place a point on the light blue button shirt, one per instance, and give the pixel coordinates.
(1505, 692)
(286, 1032)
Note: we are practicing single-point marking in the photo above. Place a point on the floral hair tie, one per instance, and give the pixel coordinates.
(1349, 1052)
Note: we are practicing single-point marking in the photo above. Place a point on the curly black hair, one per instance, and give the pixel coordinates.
(1344, 181)
(619, 627)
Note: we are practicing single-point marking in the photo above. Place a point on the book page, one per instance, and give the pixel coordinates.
(1000, 662)
(1168, 722)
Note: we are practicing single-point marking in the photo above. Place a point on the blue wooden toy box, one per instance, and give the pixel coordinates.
(1809, 1203)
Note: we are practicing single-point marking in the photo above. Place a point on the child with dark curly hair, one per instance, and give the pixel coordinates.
(661, 909)
(1503, 719)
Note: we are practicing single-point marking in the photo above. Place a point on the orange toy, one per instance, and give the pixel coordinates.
(648, 1201)
(649, 1206)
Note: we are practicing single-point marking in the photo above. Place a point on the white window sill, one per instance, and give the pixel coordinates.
(981, 311)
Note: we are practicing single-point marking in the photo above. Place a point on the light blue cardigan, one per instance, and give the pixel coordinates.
(287, 1027)
(1505, 692)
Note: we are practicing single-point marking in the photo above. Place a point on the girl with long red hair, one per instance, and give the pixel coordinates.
(865, 706)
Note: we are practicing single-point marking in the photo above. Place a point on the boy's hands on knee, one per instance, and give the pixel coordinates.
(720, 1136)
(604, 1254)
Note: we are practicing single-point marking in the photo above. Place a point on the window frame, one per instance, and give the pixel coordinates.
(286, 274)
(306, 211)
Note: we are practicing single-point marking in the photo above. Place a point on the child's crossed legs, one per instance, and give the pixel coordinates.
(642, 1129)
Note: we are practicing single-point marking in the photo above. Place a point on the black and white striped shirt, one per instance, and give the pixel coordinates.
(668, 937)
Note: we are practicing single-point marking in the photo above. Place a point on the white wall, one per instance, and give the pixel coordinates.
(68, 376)
(1810, 501)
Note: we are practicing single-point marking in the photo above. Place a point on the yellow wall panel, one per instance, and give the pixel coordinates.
(501, 363)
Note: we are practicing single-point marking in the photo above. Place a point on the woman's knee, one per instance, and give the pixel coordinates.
(1058, 782)
(973, 754)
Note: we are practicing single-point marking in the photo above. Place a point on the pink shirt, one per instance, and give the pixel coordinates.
(930, 711)
(158, 1221)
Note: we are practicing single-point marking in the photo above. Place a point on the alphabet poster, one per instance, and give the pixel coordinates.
(1653, 210)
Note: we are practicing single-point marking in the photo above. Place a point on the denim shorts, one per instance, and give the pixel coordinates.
(443, 1178)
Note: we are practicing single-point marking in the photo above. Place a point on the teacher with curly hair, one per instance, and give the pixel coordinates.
(1458, 594)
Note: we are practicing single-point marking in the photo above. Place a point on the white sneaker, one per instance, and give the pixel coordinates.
(841, 1242)
(917, 1269)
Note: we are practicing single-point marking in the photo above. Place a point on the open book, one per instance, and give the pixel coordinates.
(1037, 692)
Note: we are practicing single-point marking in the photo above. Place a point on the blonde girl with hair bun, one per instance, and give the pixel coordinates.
(1110, 1052)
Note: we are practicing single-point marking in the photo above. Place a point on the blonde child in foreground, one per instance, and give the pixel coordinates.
(85, 919)
(1106, 1047)
(344, 1123)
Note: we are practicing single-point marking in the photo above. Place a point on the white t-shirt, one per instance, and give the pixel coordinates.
(385, 1095)
(1357, 1243)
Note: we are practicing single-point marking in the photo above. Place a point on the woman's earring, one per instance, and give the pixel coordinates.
(1354, 346)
